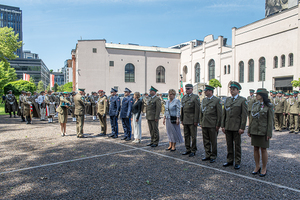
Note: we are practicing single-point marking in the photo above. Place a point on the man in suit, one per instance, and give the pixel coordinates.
(152, 116)
(114, 109)
(279, 110)
(79, 112)
(102, 111)
(125, 114)
(233, 124)
(190, 107)
(210, 122)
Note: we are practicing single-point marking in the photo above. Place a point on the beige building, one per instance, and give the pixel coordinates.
(263, 53)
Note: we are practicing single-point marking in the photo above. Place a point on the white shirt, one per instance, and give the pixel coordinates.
(40, 99)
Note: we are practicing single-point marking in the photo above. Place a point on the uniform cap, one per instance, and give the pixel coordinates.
(201, 90)
(153, 89)
(113, 90)
(9, 91)
(81, 89)
(65, 92)
(23, 91)
(287, 94)
(296, 92)
(262, 90)
(188, 85)
(49, 91)
(280, 92)
(42, 92)
(28, 92)
(127, 90)
(274, 92)
(100, 91)
(208, 87)
(236, 85)
(271, 91)
(251, 90)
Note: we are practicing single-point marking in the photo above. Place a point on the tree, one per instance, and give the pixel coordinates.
(48, 87)
(31, 80)
(215, 83)
(40, 86)
(296, 83)
(18, 86)
(8, 45)
(55, 88)
(51, 70)
(68, 87)
(60, 88)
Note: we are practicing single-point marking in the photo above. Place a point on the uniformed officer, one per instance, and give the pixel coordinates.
(73, 106)
(102, 111)
(250, 100)
(125, 114)
(21, 105)
(293, 112)
(279, 110)
(145, 102)
(11, 104)
(50, 101)
(42, 105)
(114, 109)
(162, 103)
(201, 96)
(179, 95)
(233, 124)
(190, 108)
(210, 122)
(79, 112)
(152, 116)
(94, 102)
(285, 124)
(27, 107)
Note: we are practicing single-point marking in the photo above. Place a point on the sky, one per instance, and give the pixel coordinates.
(52, 28)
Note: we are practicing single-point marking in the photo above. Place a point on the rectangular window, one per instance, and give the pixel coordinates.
(111, 63)
(94, 50)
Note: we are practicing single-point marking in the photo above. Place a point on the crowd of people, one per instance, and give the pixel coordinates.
(263, 111)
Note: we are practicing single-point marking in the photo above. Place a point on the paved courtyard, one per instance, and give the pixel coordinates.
(37, 163)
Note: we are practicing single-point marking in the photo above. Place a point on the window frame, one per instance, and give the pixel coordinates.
(129, 79)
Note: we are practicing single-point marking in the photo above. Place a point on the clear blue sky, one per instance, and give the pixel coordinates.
(52, 28)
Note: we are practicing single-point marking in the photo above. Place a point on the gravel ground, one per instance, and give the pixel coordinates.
(102, 168)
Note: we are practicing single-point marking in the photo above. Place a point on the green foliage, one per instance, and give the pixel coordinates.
(18, 86)
(31, 80)
(40, 86)
(55, 88)
(48, 87)
(51, 70)
(215, 83)
(68, 87)
(8, 44)
(60, 88)
(7, 74)
(296, 83)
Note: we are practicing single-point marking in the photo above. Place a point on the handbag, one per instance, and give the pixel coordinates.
(172, 118)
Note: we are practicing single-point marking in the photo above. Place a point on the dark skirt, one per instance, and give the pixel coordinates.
(260, 141)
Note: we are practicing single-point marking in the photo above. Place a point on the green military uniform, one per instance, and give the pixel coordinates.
(79, 113)
(162, 105)
(201, 96)
(145, 102)
(279, 110)
(234, 118)
(250, 101)
(293, 111)
(152, 114)
(101, 112)
(21, 106)
(285, 117)
(72, 108)
(189, 116)
(11, 104)
(261, 122)
(210, 120)
(28, 101)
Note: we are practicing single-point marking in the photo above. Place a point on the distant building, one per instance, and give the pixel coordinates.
(36, 68)
(29, 55)
(69, 71)
(12, 17)
(59, 77)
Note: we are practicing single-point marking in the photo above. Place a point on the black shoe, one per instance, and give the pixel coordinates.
(227, 164)
(128, 139)
(23, 120)
(28, 123)
(296, 132)
(115, 136)
(212, 160)
(258, 172)
(10, 116)
(168, 149)
(124, 138)
(112, 135)
(263, 175)
(154, 145)
(236, 166)
(186, 153)
(205, 158)
(15, 116)
(102, 134)
(81, 136)
(192, 154)
(291, 132)
(173, 150)
(150, 144)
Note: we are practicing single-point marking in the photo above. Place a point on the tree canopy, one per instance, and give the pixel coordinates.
(296, 83)
(18, 86)
(215, 83)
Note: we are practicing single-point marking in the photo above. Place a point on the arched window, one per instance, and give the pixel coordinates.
(291, 59)
(211, 69)
(184, 72)
(160, 74)
(251, 70)
(262, 69)
(275, 62)
(225, 69)
(197, 73)
(241, 70)
(129, 72)
(228, 70)
(283, 61)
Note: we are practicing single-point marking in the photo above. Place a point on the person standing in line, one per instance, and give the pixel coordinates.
(201, 97)
(62, 111)
(210, 122)
(279, 110)
(125, 114)
(137, 118)
(233, 124)
(250, 101)
(79, 112)
(102, 111)
(285, 124)
(293, 112)
(73, 106)
(94, 102)
(145, 102)
(27, 107)
(114, 109)
(190, 108)
(21, 105)
(42, 105)
(260, 130)
(152, 116)
(171, 120)
(11, 104)
(50, 102)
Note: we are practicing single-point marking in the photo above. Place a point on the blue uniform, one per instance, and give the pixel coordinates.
(125, 114)
(114, 109)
